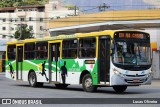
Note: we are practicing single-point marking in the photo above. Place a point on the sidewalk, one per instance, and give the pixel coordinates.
(2, 73)
(155, 82)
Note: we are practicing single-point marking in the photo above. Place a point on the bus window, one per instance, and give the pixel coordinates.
(87, 47)
(29, 51)
(42, 50)
(69, 49)
(11, 53)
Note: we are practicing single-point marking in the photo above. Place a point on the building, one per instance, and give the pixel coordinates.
(146, 20)
(11, 17)
(36, 17)
(56, 10)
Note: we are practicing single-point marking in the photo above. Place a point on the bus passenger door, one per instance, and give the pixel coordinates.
(54, 62)
(104, 59)
(19, 62)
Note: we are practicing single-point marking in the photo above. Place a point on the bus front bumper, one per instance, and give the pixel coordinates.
(131, 81)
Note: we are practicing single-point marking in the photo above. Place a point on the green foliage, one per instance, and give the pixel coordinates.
(14, 3)
(24, 31)
(6, 3)
(71, 7)
(20, 4)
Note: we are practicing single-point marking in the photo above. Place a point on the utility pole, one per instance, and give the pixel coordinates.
(21, 26)
(103, 7)
(20, 37)
(75, 10)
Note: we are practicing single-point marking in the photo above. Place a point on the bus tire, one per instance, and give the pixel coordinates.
(33, 80)
(87, 84)
(61, 85)
(120, 89)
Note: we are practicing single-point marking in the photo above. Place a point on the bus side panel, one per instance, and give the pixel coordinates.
(95, 73)
(76, 66)
(53, 71)
(43, 71)
(73, 71)
(10, 69)
(40, 67)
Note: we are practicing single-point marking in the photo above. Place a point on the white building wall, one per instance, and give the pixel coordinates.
(155, 37)
(35, 22)
(156, 65)
(13, 25)
(41, 32)
(7, 24)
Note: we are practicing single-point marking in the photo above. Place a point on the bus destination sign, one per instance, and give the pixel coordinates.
(131, 35)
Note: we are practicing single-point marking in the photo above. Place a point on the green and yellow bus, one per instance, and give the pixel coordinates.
(110, 58)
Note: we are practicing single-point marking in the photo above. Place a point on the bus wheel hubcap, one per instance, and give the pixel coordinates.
(88, 82)
(32, 79)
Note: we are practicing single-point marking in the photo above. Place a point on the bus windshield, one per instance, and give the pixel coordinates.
(132, 53)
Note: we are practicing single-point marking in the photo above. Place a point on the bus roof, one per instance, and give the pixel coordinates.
(61, 37)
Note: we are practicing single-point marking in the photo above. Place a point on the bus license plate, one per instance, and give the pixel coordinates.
(136, 80)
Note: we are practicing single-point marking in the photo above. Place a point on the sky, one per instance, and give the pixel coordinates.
(91, 5)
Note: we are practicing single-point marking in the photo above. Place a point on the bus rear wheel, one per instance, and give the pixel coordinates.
(119, 89)
(33, 80)
(87, 84)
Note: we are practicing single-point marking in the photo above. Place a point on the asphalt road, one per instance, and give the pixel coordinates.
(20, 89)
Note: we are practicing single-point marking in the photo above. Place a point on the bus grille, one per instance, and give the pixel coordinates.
(133, 81)
(135, 75)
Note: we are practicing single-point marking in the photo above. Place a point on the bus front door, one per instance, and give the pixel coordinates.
(104, 60)
(19, 62)
(54, 62)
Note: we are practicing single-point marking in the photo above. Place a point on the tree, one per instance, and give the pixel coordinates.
(4, 3)
(20, 4)
(23, 32)
(15, 3)
(71, 7)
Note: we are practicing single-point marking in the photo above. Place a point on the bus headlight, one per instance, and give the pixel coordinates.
(150, 73)
(118, 73)
(115, 71)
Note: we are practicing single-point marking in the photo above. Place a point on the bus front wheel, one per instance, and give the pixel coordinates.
(87, 84)
(119, 89)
